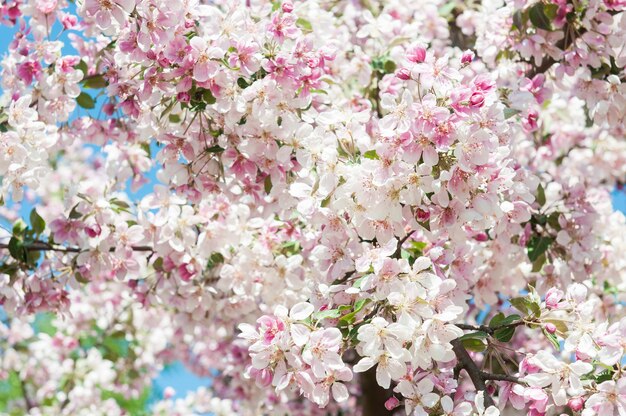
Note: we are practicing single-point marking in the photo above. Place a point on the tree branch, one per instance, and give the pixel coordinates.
(43, 246)
(474, 373)
(488, 329)
(398, 252)
(499, 377)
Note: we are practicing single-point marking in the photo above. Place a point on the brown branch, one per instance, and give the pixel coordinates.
(398, 252)
(466, 363)
(499, 377)
(29, 403)
(43, 246)
(486, 328)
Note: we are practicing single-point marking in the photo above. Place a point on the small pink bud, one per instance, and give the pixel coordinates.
(467, 57)
(553, 297)
(416, 54)
(183, 97)
(477, 99)
(403, 74)
(108, 109)
(550, 328)
(392, 403)
(168, 393)
(576, 403)
(422, 215)
(481, 236)
(287, 6)
(68, 21)
(93, 230)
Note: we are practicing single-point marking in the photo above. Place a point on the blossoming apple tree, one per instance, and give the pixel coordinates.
(331, 207)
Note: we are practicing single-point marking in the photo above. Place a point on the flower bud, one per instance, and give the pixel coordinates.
(392, 403)
(403, 74)
(168, 393)
(576, 403)
(467, 57)
(550, 328)
(553, 297)
(287, 6)
(477, 99)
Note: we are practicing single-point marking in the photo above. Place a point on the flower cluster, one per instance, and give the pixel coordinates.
(380, 206)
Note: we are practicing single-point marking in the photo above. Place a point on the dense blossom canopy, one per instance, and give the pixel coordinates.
(331, 207)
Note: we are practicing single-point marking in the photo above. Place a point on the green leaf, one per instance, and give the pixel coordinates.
(538, 264)
(537, 246)
(474, 344)
(504, 334)
(474, 335)
(510, 112)
(541, 195)
(19, 227)
(304, 25)
(267, 184)
(359, 304)
(95, 82)
(80, 278)
(85, 101)
(521, 304)
(17, 249)
(371, 154)
(120, 204)
(351, 317)
(327, 314)
(243, 84)
(82, 66)
(553, 339)
(36, 222)
(538, 17)
(215, 149)
(447, 8)
(550, 10)
(501, 320)
(158, 264)
(215, 259)
(518, 21)
(390, 67)
(75, 214)
(208, 97)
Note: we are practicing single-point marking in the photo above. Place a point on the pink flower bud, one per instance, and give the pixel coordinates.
(550, 328)
(183, 97)
(576, 403)
(392, 403)
(168, 393)
(467, 57)
(416, 54)
(108, 109)
(553, 297)
(481, 236)
(422, 215)
(403, 74)
(186, 271)
(93, 230)
(477, 99)
(68, 21)
(287, 6)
